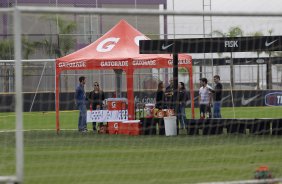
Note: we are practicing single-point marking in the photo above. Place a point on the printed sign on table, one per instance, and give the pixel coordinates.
(106, 115)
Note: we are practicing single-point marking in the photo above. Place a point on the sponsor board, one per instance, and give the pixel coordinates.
(107, 115)
(273, 99)
(212, 45)
(46, 101)
(164, 47)
(246, 101)
(180, 62)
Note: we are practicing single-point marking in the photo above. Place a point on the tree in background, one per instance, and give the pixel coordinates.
(29, 47)
(257, 33)
(65, 40)
(232, 32)
(235, 31)
(6, 53)
(6, 49)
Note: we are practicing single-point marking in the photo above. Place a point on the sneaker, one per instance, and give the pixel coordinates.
(84, 131)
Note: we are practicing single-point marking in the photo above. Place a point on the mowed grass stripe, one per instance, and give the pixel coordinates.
(74, 158)
(68, 119)
(71, 157)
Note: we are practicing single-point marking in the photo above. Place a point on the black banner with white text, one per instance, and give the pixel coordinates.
(212, 45)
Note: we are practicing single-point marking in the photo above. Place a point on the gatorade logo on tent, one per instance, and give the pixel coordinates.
(107, 45)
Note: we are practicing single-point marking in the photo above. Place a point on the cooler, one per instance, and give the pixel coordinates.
(113, 127)
(130, 127)
(117, 103)
(114, 104)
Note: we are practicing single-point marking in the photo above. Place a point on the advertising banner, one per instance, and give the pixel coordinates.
(106, 115)
(212, 45)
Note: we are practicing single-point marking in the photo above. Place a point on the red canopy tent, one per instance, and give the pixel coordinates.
(118, 49)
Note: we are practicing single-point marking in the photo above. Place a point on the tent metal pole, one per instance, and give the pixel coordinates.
(175, 88)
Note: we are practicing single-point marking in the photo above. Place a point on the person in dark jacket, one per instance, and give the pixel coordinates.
(169, 95)
(160, 96)
(96, 98)
(183, 97)
(80, 102)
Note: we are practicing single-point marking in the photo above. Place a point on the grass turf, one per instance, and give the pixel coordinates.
(68, 119)
(75, 158)
(91, 158)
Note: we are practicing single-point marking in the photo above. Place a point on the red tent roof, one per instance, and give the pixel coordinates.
(121, 43)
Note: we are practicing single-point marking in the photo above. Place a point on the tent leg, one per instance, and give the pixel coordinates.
(130, 94)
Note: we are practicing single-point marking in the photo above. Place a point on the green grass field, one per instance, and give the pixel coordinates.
(94, 158)
(68, 119)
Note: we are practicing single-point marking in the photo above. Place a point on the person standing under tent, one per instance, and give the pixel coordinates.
(183, 97)
(217, 97)
(205, 99)
(160, 96)
(96, 98)
(80, 102)
(169, 95)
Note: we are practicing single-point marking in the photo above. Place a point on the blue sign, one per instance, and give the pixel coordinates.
(273, 99)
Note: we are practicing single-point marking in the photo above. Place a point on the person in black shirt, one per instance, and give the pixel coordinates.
(160, 96)
(169, 95)
(217, 97)
(96, 98)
